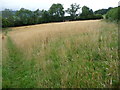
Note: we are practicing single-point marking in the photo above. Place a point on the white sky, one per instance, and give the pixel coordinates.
(45, 4)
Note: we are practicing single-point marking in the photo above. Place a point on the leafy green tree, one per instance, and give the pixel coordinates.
(7, 13)
(56, 12)
(102, 11)
(73, 10)
(24, 16)
(113, 14)
(86, 13)
(36, 16)
(5, 22)
(45, 17)
(8, 17)
(97, 16)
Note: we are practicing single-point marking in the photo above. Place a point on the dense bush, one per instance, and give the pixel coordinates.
(113, 14)
(98, 16)
(102, 11)
(5, 22)
(91, 17)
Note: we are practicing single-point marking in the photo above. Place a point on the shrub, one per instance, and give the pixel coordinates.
(113, 14)
(98, 16)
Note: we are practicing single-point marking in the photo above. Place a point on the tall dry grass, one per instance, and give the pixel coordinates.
(70, 54)
(28, 36)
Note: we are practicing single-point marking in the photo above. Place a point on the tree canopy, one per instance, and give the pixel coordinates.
(102, 11)
(56, 13)
(86, 13)
(73, 10)
(113, 14)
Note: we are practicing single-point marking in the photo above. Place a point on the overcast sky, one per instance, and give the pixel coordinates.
(45, 4)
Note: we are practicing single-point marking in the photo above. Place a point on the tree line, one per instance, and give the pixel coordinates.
(113, 14)
(56, 13)
(103, 11)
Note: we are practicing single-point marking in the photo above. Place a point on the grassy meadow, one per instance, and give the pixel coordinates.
(76, 54)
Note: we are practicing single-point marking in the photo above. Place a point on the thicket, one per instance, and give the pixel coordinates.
(56, 13)
(113, 14)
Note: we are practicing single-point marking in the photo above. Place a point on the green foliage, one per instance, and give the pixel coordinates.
(25, 16)
(113, 14)
(102, 11)
(7, 13)
(86, 13)
(7, 18)
(36, 15)
(5, 22)
(45, 17)
(56, 12)
(73, 10)
(98, 16)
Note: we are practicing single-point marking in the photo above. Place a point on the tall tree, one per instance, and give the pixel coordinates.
(102, 11)
(36, 16)
(7, 13)
(56, 12)
(24, 16)
(45, 17)
(87, 12)
(113, 14)
(8, 17)
(73, 10)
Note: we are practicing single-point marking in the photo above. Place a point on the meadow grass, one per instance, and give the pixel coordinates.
(65, 55)
(17, 72)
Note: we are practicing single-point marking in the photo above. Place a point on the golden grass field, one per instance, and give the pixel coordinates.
(27, 36)
(68, 54)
